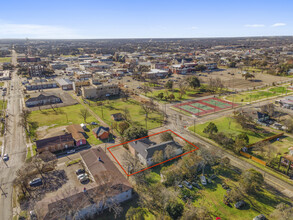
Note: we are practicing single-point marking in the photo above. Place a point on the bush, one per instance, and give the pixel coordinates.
(133, 133)
(69, 163)
(166, 136)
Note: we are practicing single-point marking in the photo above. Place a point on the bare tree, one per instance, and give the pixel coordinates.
(84, 113)
(24, 119)
(146, 89)
(182, 85)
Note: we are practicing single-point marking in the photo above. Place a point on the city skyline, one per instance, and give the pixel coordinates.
(145, 19)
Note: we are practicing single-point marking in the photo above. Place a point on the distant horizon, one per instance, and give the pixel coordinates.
(131, 38)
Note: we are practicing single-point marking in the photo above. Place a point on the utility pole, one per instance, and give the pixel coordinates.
(194, 125)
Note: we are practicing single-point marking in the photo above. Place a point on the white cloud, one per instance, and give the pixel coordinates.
(8, 30)
(254, 25)
(194, 28)
(279, 24)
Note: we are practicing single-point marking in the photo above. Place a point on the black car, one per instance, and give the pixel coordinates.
(79, 171)
(36, 182)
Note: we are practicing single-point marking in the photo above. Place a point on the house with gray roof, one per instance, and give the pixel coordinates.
(144, 149)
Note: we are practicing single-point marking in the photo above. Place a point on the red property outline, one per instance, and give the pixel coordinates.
(108, 148)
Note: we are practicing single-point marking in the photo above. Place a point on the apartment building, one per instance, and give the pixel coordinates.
(99, 91)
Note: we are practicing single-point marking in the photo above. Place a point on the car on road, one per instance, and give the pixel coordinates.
(71, 151)
(5, 157)
(240, 204)
(94, 123)
(79, 171)
(36, 182)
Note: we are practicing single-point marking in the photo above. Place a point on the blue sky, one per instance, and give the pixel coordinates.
(144, 19)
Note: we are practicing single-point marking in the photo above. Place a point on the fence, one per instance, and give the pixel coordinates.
(267, 139)
(253, 158)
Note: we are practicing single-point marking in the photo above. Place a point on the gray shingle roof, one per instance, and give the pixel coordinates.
(146, 148)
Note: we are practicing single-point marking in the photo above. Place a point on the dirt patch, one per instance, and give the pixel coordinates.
(232, 78)
(46, 132)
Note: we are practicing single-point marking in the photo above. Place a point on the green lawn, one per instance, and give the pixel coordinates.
(49, 118)
(1, 83)
(136, 113)
(235, 129)
(5, 59)
(258, 95)
(189, 94)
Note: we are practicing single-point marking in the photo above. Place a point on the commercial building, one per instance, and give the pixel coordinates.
(64, 84)
(42, 100)
(56, 143)
(100, 91)
(109, 187)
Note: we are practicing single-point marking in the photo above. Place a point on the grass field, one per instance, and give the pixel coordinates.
(258, 95)
(234, 129)
(136, 113)
(211, 197)
(5, 59)
(49, 118)
(189, 94)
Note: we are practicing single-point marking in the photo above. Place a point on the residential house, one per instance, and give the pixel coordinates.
(144, 149)
(78, 134)
(56, 143)
(101, 132)
(42, 100)
(109, 186)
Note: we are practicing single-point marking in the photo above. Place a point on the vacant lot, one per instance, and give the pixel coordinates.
(135, 110)
(5, 59)
(233, 130)
(211, 196)
(259, 94)
(63, 116)
(232, 78)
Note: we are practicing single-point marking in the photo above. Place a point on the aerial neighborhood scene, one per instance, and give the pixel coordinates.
(146, 110)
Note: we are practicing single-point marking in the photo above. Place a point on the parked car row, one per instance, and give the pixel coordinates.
(81, 175)
(203, 180)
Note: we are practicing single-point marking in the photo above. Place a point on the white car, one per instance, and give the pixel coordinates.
(71, 151)
(82, 176)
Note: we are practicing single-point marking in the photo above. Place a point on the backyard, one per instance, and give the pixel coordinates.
(48, 119)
